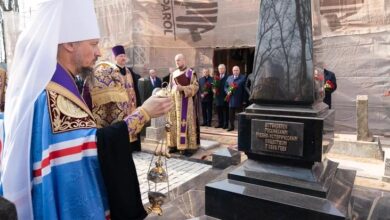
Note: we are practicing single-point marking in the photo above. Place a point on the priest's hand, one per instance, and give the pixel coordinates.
(157, 106)
(179, 88)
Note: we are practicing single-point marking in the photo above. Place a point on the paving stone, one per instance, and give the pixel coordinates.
(179, 171)
(208, 144)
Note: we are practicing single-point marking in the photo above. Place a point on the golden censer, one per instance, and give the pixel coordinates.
(159, 173)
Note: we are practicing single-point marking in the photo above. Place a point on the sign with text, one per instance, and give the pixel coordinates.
(278, 137)
(196, 17)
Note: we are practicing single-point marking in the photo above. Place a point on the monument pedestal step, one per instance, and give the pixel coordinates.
(232, 199)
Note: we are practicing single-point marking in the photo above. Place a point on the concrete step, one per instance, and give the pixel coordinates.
(347, 144)
(220, 135)
(365, 167)
(208, 144)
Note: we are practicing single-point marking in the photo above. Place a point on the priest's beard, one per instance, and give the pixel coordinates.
(86, 74)
(182, 67)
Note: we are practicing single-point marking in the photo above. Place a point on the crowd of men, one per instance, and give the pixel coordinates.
(219, 91)
(114, 91)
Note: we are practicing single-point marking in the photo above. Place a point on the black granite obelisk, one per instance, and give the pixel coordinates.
(287, 175)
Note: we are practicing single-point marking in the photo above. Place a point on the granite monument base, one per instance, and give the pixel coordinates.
(287, 175)
(258, 190)
(285, 134)
(225, 158)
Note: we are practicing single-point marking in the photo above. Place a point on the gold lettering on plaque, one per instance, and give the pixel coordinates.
(276, 137)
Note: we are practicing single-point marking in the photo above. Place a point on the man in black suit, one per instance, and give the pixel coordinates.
(206, 95)
(219, 98)
(170, 71)
(150, 83)
(146, 85)
(234, 96)
(330, 86)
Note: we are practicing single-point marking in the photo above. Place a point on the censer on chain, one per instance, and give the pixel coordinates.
(158, 174)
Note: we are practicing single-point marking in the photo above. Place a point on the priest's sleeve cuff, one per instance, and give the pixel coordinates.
(135, 122)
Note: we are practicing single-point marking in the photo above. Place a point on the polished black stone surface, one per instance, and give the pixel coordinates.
(232, 199)
(314, 110)
(277, 137)
(189, 201)
(371, 204)
(312, 150)
(283, 64)
(380, 209)
(315, 181)
(226, 157)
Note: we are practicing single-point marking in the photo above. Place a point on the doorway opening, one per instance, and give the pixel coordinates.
(241, 57)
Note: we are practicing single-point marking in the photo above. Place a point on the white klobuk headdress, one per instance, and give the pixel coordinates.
(34, 63)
